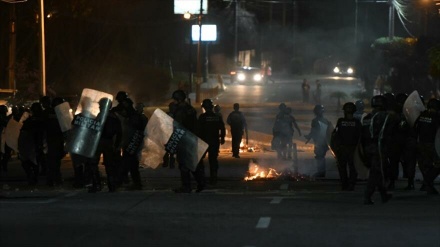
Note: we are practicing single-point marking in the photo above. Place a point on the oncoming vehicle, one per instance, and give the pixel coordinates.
(246, 74)
(343, 69)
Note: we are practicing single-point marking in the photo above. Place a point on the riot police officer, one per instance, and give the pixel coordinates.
(212, 131)
(186, 115)
(376, 135)
(345, 139)
(318, 133)
(55, 145)
(426, 127)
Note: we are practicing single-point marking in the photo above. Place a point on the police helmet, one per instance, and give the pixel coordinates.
(359, 105)
(379, 101)
(318, 110)
(434, 104)
(121, 95)
(391, 101)
(349, 107)
(57, 101)
(179, 95)
(207, 104)
(401, 98)
(46, 102)
(36, 108)
(282, 107)
(217, 108)
(3, 109)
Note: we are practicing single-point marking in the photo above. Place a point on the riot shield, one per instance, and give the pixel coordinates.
(166, 135)
(412, 107)
(87, 124)
(64, 116)
(12, 132)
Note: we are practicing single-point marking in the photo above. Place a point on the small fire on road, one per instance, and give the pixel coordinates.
(270, 172)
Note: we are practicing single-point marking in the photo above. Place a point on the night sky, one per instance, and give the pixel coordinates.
(104, 38)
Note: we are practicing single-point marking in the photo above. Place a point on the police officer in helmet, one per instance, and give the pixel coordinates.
(186, 115)
(212, 131)
(376, 135)
(344, 141)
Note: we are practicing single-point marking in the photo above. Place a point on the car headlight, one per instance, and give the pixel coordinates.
(241, 77)
(336, 70)
(257, 77)
(350, 70)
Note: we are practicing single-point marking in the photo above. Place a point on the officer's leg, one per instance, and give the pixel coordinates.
(185, 175)
(213, 163)
(320, 152)
(5, 158)
(410, 162)
(352, 169)
(199, 176)
(342, 168)
(134, 172)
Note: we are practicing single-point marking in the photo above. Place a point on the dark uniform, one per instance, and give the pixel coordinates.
(426, 127)
(212, 131)
(375, 137)
(186, 115)
(346, 135)
(130, 152)
(238, 125)
(31, 143)
(318, 133)
(110, 149)
(55, 147)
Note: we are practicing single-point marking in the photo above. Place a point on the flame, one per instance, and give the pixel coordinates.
(257, 172)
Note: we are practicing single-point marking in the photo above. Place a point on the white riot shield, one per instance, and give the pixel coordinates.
(412, 107)
(64, 116)
(89, 119)
(163, 133)
(12, 132)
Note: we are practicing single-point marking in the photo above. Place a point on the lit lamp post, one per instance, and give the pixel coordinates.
(199, 55)
(42, 51)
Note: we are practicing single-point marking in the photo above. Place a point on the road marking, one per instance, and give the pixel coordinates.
(263, 223)
(276, 200)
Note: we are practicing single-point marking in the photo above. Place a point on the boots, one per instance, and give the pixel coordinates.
(96, 182)
(78, 177)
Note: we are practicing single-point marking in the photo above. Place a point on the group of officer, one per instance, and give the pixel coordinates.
(209, 126)
(384, 139)
(42, 144)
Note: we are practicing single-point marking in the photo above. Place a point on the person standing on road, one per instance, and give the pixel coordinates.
(375, 138)
(305, 91)
(318, 133)
(210, 125)
(426, 127)
(3, 123)
(317, 93)
(283, 132)
(268, 74)
(186, 115)
(238, 125)
(345, 139)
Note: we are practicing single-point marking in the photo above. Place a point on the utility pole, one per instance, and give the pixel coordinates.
(199, 55)
(12, 47)
(391, 20)
(42, 52)
(236, 34)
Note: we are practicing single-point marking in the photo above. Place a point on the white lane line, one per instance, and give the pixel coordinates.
(276, 200)
(263, 223)
(284, 187)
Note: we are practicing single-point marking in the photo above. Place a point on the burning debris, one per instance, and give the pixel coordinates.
(265, 172)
